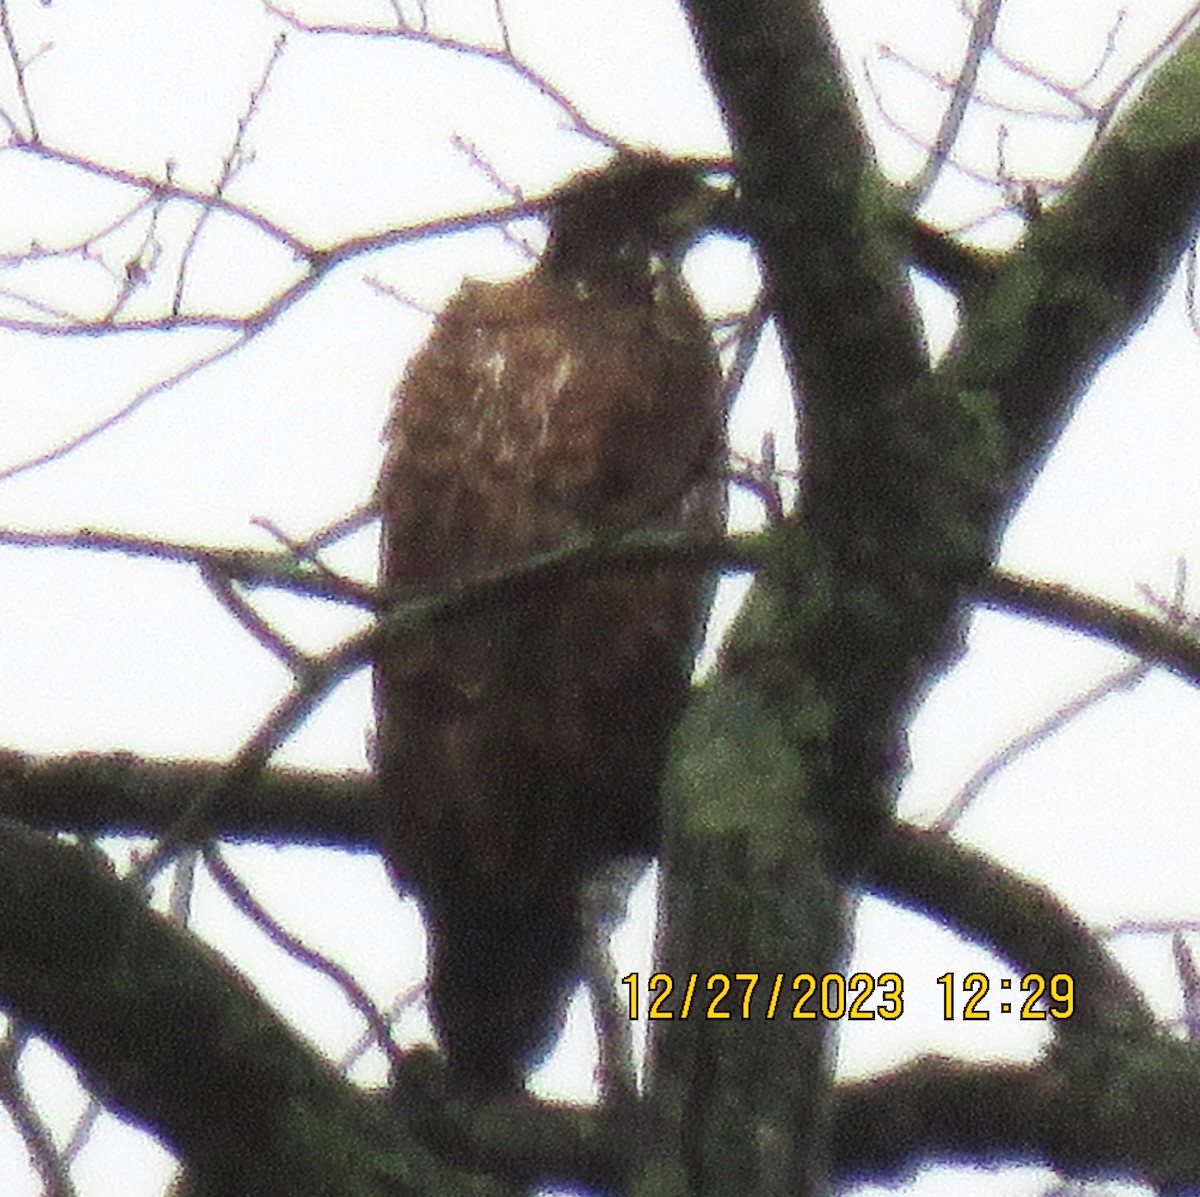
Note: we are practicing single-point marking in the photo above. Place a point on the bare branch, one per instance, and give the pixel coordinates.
(1146, 637)
(605, 901)
(39, 1142)
(1176, 617)
(230, 165)
(239, 894)
(183, 888)
(284, 572)
(897, 126)
(408, 616)
(140, 265)
(18, 65)
(1043, 730)
(309, 551)
(1189, 984)
(1069, 93)
(245, 615)
(154, 186)
(63, 448)
(93, 794)
(1176, 34)
(319, 262)
(248, 327)
(749, 332)
(247, 566)
(342, 528)
(475, 156)
(1193, 314)
(982, 31)
(366, 1041)
(502, 25)
(503, 55)
(85, 246)
(82, 1134)
(1123, 680)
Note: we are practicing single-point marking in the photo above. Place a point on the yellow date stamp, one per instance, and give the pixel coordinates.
(861, 996)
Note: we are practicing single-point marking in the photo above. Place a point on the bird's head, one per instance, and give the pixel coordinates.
(639, 207)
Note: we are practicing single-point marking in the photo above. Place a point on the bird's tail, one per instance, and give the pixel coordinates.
(503, 966)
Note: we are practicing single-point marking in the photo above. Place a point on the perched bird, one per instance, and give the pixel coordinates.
(522, 748)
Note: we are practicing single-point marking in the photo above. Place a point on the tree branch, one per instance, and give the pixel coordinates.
(1147, 637)
(172, 1038)
(1090, 269)
(1025, 923)
(1121, 1112)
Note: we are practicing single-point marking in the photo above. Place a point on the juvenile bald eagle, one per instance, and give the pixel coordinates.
(521, 749)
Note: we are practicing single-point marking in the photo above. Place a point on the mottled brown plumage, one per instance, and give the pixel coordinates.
(523, 748)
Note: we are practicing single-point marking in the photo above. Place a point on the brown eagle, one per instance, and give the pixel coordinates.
(522, 748)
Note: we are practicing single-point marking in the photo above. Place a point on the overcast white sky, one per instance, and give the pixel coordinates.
(355, 135)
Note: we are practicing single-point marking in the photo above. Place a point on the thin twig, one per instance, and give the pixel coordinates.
(183, 888)
(304, 551)
(897, 126)
(476, 157)
(1193, 313)
(83, 247)
(391, 1016)
(411, 612)
(1189, 984)
(246, 616)
(153, 185)
(139, 265)
(1177, 623)
(761, 478)
(18, 64)
(239, 894)
(749, 334)
(249, 567)
(248, 327)
(1043, 730)
(341, 528)
(605, 901)
(376, 284)
(81, 1134)
(320, 262)
(502, 55)
(63, 448)
(71, 326)
(230, 165)
(34, 305)
(982, 32)
(982, 99)
(1067, 92)
(1174, 36)
(39, 1142)
(502, 26)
